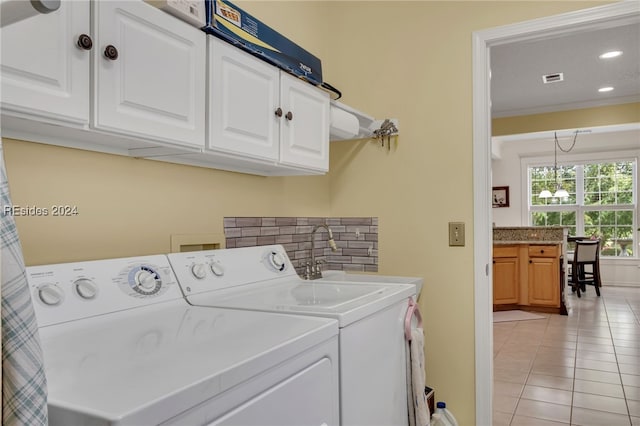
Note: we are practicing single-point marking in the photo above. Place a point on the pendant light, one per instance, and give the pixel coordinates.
(560, 192)
(545, 193)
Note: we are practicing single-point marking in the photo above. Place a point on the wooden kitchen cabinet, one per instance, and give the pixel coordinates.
(527, 276)
(148, 79)
(544, 275)
(260, 112)
(506, 275)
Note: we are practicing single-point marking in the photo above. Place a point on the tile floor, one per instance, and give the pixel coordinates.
(580, 369)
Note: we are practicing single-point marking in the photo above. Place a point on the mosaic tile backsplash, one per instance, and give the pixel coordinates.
(355, 237)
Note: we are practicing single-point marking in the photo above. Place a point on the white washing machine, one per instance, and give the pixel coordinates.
(371, 320)
(122, 347)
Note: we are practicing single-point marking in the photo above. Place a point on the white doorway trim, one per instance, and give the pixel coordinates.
(607, 16)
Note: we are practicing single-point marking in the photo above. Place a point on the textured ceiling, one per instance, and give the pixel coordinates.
(517, 69)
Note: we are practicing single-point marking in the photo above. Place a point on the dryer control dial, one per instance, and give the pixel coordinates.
(85, 288)
(50, 294)
(199, 271)
(276, 261)
(217, 269)
(146, 281)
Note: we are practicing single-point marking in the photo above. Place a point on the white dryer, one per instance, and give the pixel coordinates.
(122, 347)
(370, 316)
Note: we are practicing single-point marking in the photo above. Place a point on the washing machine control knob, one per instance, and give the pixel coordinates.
(146, 280)
(50, 294)
(217, 269)
(276, 260)
(199, 271)
(85, 288)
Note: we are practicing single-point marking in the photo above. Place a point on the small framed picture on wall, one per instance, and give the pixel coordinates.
(500, 196)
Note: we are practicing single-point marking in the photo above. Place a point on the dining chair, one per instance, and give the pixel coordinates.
(585, 266)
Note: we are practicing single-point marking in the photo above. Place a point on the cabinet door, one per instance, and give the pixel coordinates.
(544, 281)
(243, 103)
(305, 126)
(506, 283)
(44, 73)
(155, 87)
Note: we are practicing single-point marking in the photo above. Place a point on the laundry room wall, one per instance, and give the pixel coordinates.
(129, 207)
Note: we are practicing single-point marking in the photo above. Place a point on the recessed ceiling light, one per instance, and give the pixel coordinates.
(611, 54)
(605, 89)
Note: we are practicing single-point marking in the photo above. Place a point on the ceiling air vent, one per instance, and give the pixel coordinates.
(553, 78)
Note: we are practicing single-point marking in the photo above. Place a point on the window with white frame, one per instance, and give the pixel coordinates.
(602, 201)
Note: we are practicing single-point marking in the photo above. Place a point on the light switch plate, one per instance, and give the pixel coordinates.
(456, 234)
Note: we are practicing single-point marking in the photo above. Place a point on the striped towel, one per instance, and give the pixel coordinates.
(24, 387)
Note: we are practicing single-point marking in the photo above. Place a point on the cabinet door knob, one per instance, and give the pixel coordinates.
(494, 262)
(289, 116)
(279, 112)
(530, 261)
(110, 52)
(84, 42)
(541, 251)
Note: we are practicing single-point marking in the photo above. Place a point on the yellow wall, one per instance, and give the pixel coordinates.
(413, 61)
(129, 207)
(577, 118)
(408, 60)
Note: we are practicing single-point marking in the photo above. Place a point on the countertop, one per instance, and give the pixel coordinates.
(534, 228)
(530, 242)
(529, 235)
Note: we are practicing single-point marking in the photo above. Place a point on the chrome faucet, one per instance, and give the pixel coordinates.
(313, 269)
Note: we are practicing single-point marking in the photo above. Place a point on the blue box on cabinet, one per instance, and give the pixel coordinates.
(234, 25)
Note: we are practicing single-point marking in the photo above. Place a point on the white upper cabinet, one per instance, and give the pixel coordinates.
(259, 112)
(150, 73)
(127, 78)
(243, 102)
(45, 73)
(304, 130)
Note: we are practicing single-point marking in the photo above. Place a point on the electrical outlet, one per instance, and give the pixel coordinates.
(456, 234)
